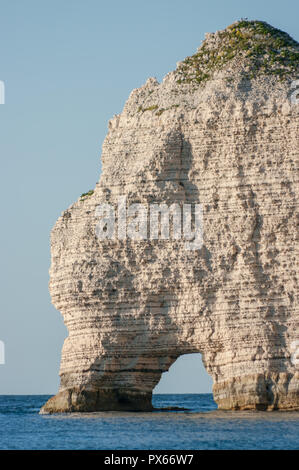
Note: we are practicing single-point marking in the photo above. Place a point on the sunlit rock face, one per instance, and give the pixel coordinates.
(220, 131)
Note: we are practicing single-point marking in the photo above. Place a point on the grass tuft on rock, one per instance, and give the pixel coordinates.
(85, 195)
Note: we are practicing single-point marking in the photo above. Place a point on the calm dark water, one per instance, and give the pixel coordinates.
(202, 427)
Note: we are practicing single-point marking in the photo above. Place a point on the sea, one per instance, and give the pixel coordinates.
(198, 425)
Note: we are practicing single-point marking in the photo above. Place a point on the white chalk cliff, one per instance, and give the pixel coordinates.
(221, 130)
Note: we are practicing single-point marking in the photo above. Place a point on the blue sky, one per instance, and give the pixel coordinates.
(68, 67)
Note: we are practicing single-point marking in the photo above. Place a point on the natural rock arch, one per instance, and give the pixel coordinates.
(132, 307)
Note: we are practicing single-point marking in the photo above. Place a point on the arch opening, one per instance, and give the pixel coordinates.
(186, 385)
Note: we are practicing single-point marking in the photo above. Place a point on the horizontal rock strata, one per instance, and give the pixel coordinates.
(222, 131)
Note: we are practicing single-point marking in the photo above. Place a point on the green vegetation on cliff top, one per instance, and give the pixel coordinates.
(253, 47)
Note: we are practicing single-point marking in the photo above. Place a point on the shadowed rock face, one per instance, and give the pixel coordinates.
(217, 131)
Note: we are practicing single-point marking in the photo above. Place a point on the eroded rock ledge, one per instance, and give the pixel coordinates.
(221, 130)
